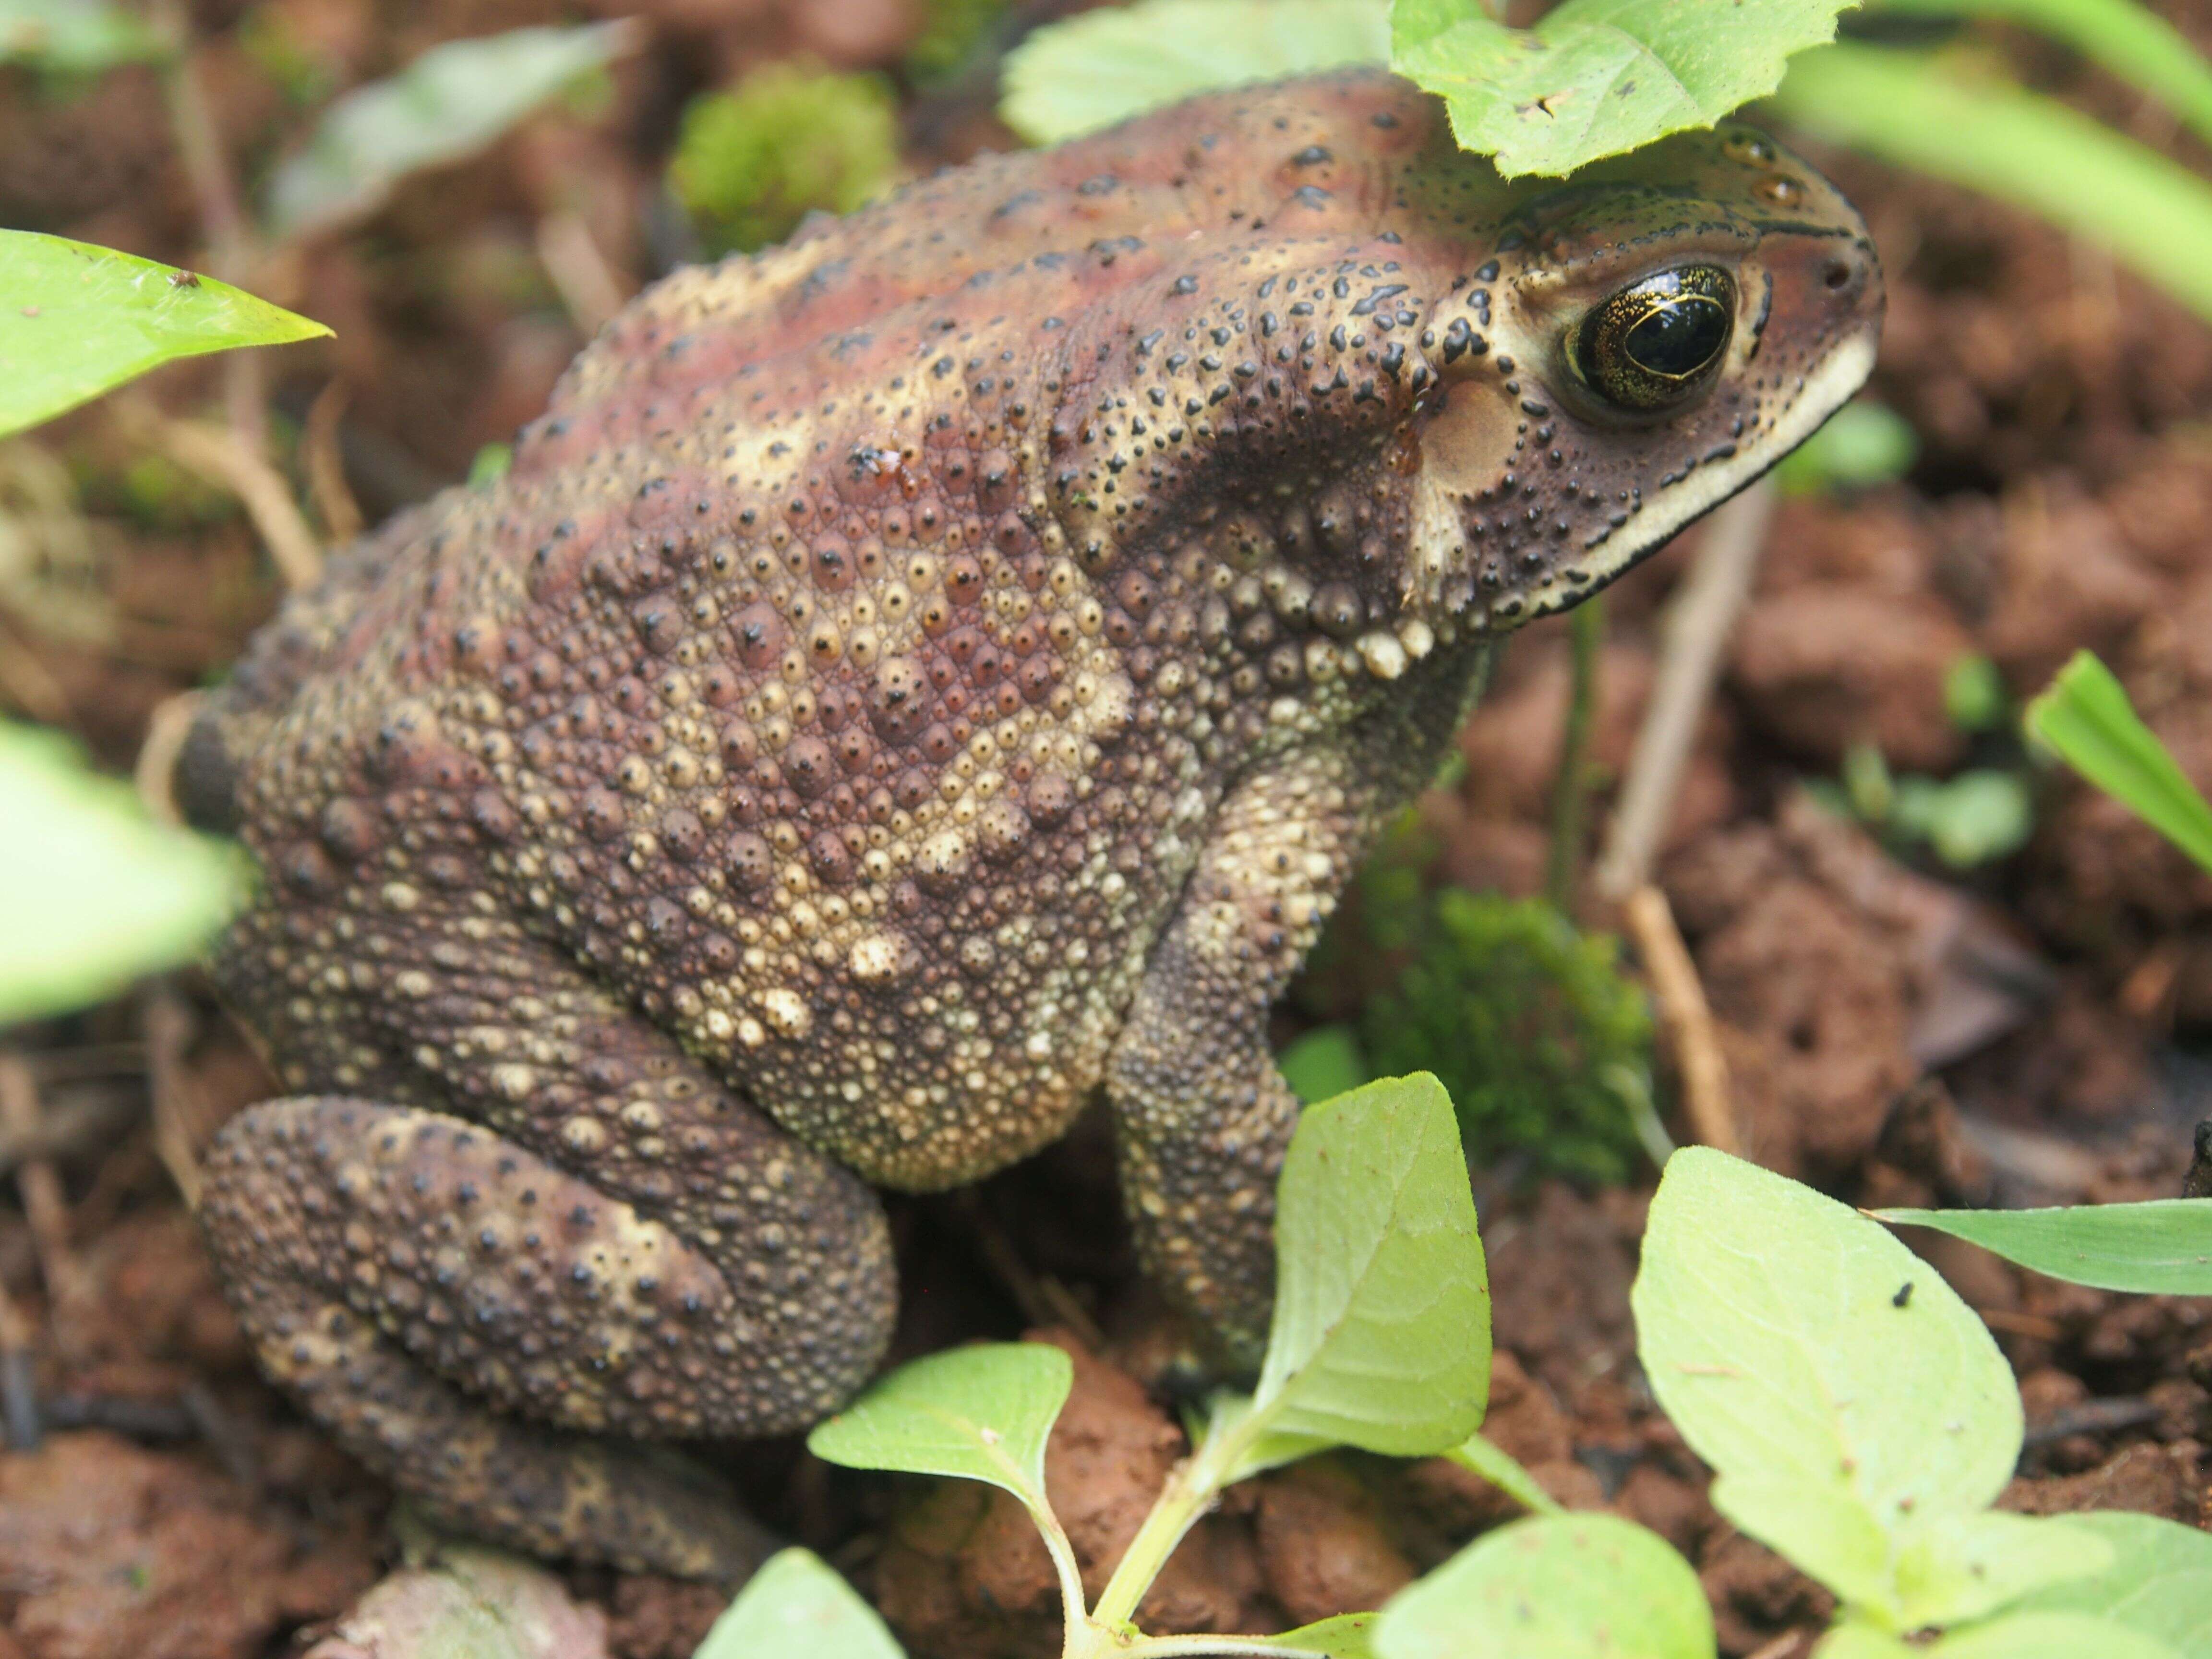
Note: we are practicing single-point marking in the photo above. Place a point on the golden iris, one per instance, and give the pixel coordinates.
(1656, 343)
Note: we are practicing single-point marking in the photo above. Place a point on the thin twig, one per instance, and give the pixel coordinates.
(154, 770)
(1783, 1646)
(44, 1204)
(1570, 786)
(217, 455)
(166, 1023)
(1697, 625)
(234, 245)
(1686, 1016)
(326, 479)
(582, 274)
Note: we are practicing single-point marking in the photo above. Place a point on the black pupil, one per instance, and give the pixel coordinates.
(1678, 336)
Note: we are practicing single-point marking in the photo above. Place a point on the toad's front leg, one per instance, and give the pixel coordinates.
(1203, 1115)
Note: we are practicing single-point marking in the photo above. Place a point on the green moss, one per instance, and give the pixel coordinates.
(950, 32)
(1529, 1023)
(750, 163)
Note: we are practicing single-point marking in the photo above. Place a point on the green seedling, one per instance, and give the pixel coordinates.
(1978, 816)
(95, 892)
(2084, 716)
(77, 320)
(750, 163)
(2161, 1247)
(1381, 1340)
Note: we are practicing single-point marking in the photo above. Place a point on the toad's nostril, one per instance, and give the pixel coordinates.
(1837, 275)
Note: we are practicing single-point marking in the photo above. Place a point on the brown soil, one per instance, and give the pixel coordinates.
(1899, 1033)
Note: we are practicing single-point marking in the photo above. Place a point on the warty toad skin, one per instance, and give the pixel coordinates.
(908, 681)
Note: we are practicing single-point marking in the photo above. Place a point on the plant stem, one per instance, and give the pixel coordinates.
(1494, 1464)
(1157, 1647)
(1190, 1487)
(1570, 786)
(1075, 1624)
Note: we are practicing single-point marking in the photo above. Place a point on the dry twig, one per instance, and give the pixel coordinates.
(44, 1204)
(1687, 1018)
(219, 455)
(179, 1122)
(326, 480)
(1696, 628)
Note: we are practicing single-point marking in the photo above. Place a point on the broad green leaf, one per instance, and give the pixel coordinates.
(449, 103)
(78, 37)
(94, 891)
(1596, 77)
(76, 320)
(2048, 1635)
(2131, 41)
(1324, 1063)
(1347, 1636)
(797, 1606)
(2034, 152)
(1969, 1566)
(1863, 1642)
(1107, 65)
(2084, 714)
(2159, 1582)
(1843, 1393)
(1490, 1461)
(2162, 1246)
(1584, 1586)
(1381, 1336)
(982, 1413)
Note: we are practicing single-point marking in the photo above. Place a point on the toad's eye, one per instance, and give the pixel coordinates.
(1656, 343)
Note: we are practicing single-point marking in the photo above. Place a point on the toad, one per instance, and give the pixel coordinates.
(911, 682)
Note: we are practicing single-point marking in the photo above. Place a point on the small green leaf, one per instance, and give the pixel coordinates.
(1381, 1336)
(798, 1608)
(1969, 1566)
(1974, 694)
(1324, 1063)
(982, 1413)
(76, 37)
(2162, 1246)
(1347, 1636)
(1490, 1461)
(76, 320)
(2047, 1636)
(1862, 443)
(1970, 819)
(2084, 714)
(1904, 106)
(94, 892)
(1847, 1400)
(1596, 77)
(2159, 1582)
(1583, 1586)
(450, 102)
(1107, 65)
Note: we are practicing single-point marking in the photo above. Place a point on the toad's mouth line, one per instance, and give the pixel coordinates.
(1439, 537)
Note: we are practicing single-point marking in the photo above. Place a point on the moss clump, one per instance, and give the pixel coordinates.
(750, 163)
(1529, 1023)
(951, 32)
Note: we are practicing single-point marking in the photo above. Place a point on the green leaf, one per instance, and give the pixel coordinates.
(1596, 77)
(1974, 694)
(2130, 40)
(76, 37)
(2159, 1582)
(1347, 1636)
(1862, 443)
(2047, 1636)
(2162, 1246)
(1324, 1063)
(2085, 715)
(1558, 1587)
(982, 1413)
(1848, 1401)
(76, 320)
(2034, 152)
(1970, 819)
(1863, 1642)
(1107, 65)
(449, 103)
(1969, 1566)
(1381, 1336)
(1494, 1464)
(798, 1608)
(95, 891)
